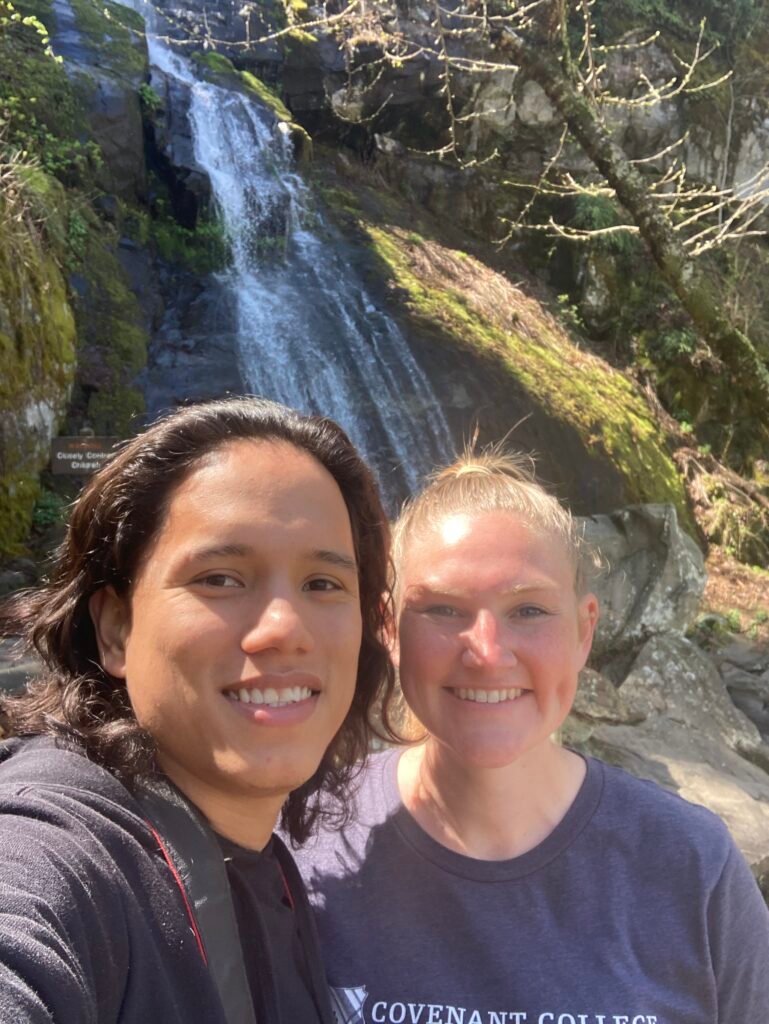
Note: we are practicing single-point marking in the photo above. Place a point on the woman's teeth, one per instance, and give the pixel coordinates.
(272, 698)
(487, 696)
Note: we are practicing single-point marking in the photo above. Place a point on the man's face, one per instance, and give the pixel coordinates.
(239, 641)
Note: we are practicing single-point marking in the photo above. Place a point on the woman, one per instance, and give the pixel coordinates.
(211, 642)
(493, 876)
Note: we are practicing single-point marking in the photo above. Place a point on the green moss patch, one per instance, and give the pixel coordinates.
(114, 30)
(218, 65)
(479, 309)
(112, 340)
(37, 347)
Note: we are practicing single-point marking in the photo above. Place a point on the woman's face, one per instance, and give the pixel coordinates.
(239, 643)
(490, 635)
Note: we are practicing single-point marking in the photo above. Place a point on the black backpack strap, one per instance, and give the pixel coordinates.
(195, 858)
(308, 931)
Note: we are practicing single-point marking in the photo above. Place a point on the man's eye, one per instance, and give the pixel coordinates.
(219, 579)
(323, 584)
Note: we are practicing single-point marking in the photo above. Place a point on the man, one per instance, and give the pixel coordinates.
(211, 637)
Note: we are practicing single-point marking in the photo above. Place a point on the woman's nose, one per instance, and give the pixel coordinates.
(280, 625)
(486, 643)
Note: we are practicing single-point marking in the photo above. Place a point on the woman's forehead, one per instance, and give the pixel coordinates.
(468, 538)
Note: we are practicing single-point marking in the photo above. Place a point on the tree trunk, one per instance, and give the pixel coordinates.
(749, 377)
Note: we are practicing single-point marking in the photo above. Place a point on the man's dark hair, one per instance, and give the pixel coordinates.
(114, 522)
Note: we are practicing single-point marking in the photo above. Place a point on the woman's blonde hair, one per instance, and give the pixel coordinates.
(492, 480)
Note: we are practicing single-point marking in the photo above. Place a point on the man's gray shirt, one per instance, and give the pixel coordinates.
(637, 909)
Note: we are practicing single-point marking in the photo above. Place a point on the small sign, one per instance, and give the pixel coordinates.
(80, 456)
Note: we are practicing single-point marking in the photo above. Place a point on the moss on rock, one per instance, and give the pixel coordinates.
(37, 352)
(477, 309)
(220, 67)
(112, 340)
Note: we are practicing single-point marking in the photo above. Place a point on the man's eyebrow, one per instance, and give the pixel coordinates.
(219, 551)
(336, 558)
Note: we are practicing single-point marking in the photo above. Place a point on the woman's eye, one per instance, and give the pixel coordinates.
(529, 611)
(444, 611)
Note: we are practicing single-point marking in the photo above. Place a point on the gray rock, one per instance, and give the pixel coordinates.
(16, 667)
(672, 676)
(749, 657)
(653, 584)
(599, 700)
(534, 108)
(11, 581)
(699, 768)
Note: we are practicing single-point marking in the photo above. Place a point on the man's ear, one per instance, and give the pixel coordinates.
(110, 615)
(588, 620)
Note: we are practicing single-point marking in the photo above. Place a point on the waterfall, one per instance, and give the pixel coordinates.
(308, 333)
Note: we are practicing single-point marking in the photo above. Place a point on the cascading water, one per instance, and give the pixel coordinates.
(308, 334)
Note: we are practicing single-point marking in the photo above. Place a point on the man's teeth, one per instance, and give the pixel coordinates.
(487, 696)
(272, 698)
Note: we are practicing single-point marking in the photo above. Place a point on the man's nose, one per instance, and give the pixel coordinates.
(278, 624)
(487, 644)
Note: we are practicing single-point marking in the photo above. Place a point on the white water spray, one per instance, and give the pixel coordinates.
(308, 333)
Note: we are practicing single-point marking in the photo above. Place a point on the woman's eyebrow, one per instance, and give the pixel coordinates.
(514, 588)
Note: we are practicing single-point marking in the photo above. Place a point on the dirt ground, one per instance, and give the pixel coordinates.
(740, 594)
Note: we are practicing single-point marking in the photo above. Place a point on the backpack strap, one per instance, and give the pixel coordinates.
(193, 854)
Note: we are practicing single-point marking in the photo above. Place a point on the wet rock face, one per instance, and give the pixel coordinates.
(193, 355)
(107, 70)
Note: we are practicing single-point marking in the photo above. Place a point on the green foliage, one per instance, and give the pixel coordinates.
(670, 344)
(38, 103)
(77, 233)
(597, 213)
(37, 336)
(726, 20)
(203, 249)
(741, 527)
(50, 510)
(568, 311)
(733, 620)
(149, 99)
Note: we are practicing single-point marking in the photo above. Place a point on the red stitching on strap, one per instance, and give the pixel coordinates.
(182, 890)
(286, 889)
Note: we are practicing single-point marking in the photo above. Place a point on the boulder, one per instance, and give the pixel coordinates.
(652, 581)
(672, 721)
(699, 768)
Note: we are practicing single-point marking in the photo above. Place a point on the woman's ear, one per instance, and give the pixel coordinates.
(390, 636)
(588, 620)
(110, 615)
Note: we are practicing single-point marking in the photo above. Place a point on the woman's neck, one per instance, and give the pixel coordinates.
(489, 813)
